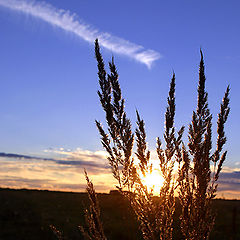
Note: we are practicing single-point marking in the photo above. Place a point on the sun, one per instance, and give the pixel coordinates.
(153, 181)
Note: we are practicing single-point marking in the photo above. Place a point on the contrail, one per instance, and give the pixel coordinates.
(70, 22)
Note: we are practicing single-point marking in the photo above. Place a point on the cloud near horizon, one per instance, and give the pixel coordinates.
(62, 169)
(70, 22)
(72, 161)
(56, 170)
(46, 184)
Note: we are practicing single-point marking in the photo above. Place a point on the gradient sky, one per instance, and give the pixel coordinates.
(48, 74)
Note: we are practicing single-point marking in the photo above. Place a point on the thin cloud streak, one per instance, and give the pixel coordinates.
(71, 162)
(46, 184)
(71, 23)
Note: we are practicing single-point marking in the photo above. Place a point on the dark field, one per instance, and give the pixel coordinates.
(27, 214)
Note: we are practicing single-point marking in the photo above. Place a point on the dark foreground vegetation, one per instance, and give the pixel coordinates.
(28, 214)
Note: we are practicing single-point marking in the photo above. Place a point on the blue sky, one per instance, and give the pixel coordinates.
(48, 101)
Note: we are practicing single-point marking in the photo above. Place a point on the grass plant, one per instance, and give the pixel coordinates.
(195, 183)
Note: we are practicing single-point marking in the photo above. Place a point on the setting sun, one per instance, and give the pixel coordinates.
(153, 181)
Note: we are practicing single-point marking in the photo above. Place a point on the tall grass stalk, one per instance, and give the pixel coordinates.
(197, 184)
(92, 216)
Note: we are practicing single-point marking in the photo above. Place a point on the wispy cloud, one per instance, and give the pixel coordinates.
(70, 22)
(54, 172)
(79, 153)
(46, 184)
(83, 160)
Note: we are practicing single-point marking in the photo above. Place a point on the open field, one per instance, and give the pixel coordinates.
(27, 214)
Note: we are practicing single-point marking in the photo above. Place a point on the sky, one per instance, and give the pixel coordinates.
(48, 75)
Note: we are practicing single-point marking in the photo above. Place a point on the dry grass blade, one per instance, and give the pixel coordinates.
(167, 159)
(92, 216)
(119, 140)
(56, 232)
(142, 153)
(197, 186)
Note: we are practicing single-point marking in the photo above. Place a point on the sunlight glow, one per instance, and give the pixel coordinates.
(153, 181)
